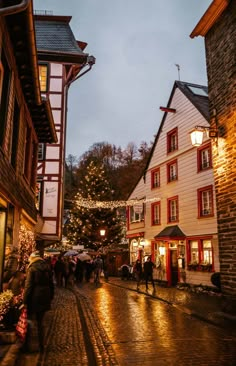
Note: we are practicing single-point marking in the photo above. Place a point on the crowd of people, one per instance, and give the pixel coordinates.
(71, 270)
(35, 286)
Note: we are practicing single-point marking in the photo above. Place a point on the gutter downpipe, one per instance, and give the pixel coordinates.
(90, 62)
(15, 8)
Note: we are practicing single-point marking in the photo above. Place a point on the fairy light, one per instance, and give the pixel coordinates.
(90, 204)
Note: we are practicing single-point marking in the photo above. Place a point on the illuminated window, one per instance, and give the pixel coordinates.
(200, 253)
(155, 178)
(207, 251)
(137, 213)
(205, 201)
(172, 140)
(193, 251)
(43, 78)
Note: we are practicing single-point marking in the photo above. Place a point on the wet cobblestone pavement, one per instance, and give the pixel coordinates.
(114, 325)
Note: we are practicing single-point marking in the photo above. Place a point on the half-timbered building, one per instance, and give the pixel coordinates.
(61, 62)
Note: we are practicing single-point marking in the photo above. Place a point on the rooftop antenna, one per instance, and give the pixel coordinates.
(178, 68)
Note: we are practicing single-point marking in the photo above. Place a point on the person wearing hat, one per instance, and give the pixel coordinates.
(38, 294)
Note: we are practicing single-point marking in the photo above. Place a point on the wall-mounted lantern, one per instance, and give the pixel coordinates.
(196, 135)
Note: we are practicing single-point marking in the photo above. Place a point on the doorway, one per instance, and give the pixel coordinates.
(173, 267)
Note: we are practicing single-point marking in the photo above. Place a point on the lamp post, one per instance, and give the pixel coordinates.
(102, 234)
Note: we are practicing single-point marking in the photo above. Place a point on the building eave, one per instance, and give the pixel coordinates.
(209, 18)
(20, 26)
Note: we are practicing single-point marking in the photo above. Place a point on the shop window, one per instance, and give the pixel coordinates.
(156, 213)
(155, 178)
(204, 158)
(205, 201)
(43, 77)
(137, 213)
(200, 254)
(172, 140)
(172, 209)
(172, 172)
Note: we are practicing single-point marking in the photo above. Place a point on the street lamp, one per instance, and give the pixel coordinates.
(196, 135)
(102, 232)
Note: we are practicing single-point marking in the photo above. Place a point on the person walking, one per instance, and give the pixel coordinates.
(98, 266)
(11, 265)
(148, 272)
(138, 270)
(38, 294)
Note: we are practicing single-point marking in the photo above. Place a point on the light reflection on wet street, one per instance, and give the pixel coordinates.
(145, 331)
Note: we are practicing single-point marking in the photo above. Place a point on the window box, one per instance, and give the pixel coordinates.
(192, 266)
(204, 266)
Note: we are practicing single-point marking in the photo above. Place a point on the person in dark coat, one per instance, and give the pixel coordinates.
(148, 272)
(38, 294)
(59, 270)
(138, 270)
(10, 266)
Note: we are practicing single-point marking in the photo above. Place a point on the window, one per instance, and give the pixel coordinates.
(206, 252)
(155, 178)
(198, 90)
(172, 140)
(137, 213)
(156, 213)
(205, 201)
(43, 78)
(41, 151)
(200, 253)
(204, 158)
(172, 174)
(172, 209)
(193, 252)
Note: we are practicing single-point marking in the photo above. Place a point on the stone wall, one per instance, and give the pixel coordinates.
(220, 44)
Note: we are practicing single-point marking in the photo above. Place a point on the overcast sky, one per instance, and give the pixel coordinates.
(136, 44)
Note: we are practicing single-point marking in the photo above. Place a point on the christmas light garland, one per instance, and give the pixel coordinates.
(88, 203)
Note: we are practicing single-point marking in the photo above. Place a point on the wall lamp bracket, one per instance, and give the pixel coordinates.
(196, 134)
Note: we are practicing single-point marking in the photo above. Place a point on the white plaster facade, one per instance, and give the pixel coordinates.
(173, 265)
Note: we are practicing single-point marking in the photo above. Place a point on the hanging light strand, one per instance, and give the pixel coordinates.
(87, 203)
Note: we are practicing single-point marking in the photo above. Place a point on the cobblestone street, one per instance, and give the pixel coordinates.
(114, 325)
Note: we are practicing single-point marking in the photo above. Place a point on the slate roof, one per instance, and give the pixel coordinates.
(55, 39)
(199, 101)
(171, 232)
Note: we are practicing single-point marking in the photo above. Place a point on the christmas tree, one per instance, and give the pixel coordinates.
(85, 223)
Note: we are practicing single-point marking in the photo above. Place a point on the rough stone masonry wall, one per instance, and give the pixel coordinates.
(220, 44)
